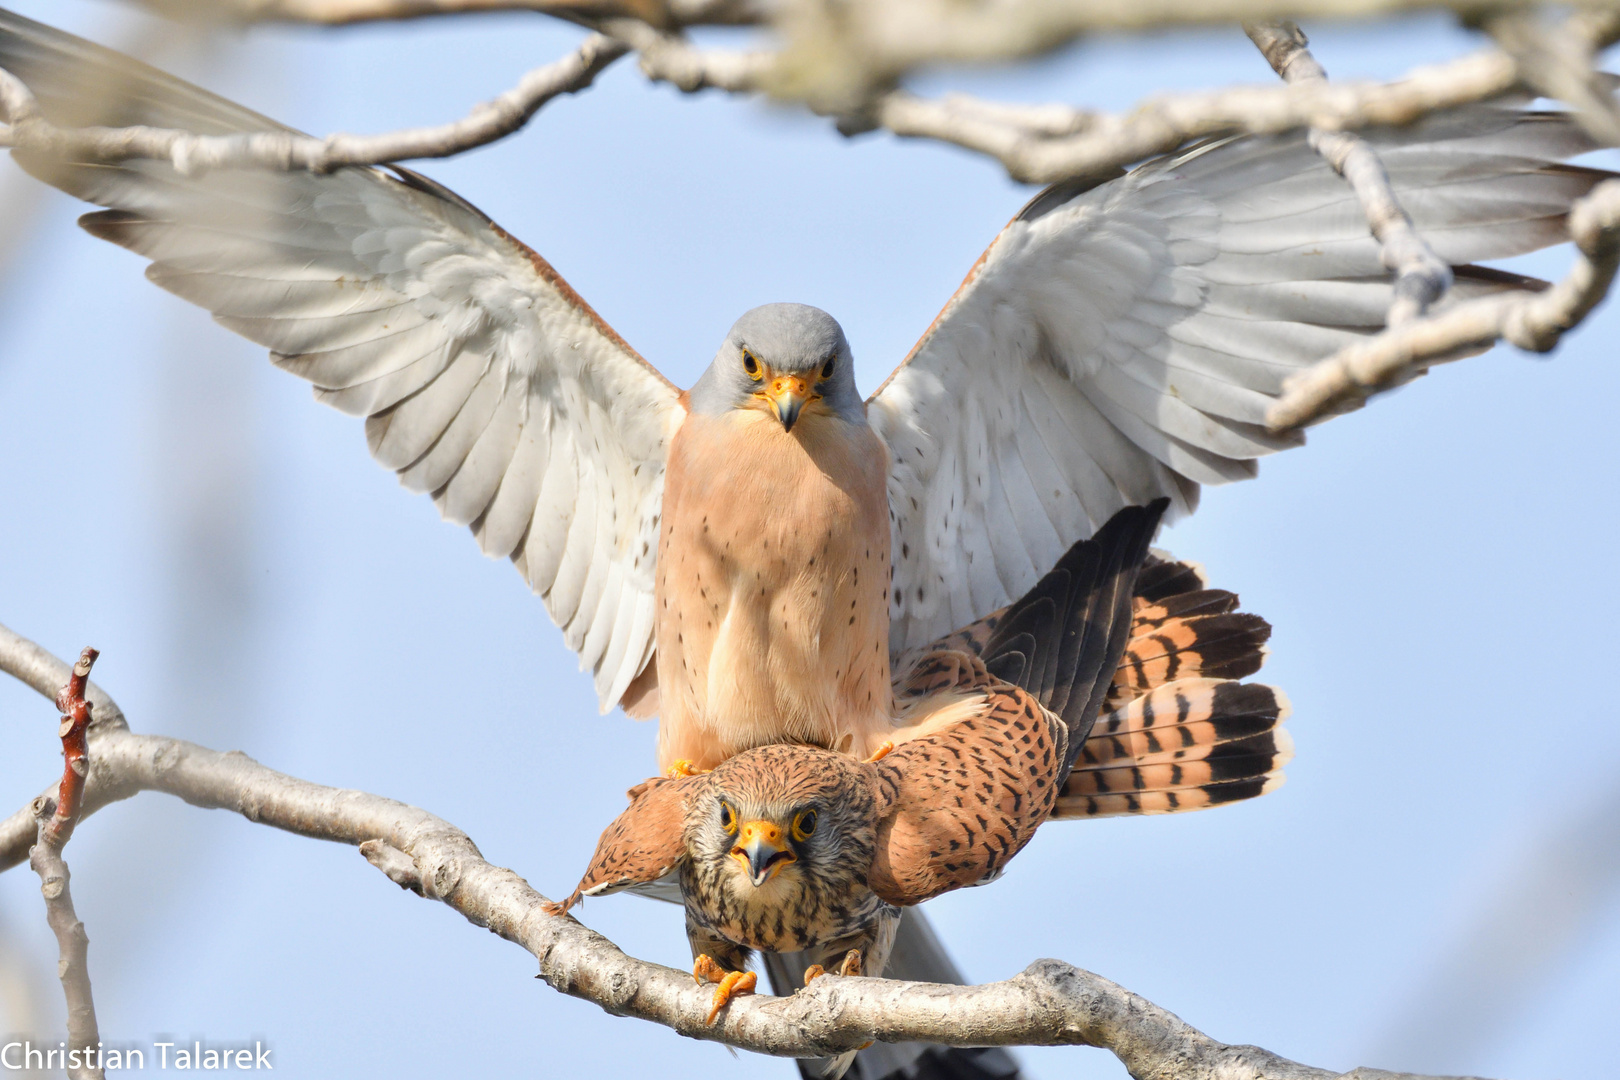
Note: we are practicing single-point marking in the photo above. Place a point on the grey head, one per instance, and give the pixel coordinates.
(784, 358)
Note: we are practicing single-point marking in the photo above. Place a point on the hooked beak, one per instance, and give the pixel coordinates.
(762, 847)
(788, 394)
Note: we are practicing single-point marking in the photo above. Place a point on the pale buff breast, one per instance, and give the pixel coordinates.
(773, 578)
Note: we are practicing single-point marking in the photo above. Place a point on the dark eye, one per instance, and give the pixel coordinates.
(827, 368)
(804, 825)
(728, 818)
(750, 365)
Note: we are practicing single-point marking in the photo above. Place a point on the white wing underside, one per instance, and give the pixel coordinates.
(483, 378)
(1111, 347)
(1125, 343)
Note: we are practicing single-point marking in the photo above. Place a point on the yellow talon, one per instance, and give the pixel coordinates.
(881, 752)
(814, 971)
(683, 768)
(735, 982)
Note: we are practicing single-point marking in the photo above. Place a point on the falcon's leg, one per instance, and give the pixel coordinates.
(864, 953)
(718, 961)
(682, 768)
(917, 956)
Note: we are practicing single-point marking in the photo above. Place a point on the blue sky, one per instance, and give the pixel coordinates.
(1437, 568)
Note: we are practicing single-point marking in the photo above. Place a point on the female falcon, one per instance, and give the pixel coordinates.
(747, 558)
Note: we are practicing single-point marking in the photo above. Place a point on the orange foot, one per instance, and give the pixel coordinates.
(731, 983)
(850, 966)
(881, 752)
(683, 768)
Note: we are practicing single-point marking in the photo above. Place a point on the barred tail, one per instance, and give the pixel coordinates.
(1186, 745)
(1184, 629)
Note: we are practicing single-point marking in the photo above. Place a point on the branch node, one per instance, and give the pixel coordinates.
(397, 865)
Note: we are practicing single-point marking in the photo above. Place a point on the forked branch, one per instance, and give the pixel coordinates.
(54, 818)
(1532, 321)
(1421, 276)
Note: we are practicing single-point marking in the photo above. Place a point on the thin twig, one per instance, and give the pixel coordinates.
(54, 820)
(347, 12)
(1050, 1003)
(1535, 322)
(1421, 276)
(74, 733)
(1558, 60)
(192, 154)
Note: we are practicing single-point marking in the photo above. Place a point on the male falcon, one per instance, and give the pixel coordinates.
(748, 558)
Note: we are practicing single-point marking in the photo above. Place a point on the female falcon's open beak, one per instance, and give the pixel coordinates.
(762, 847)
(788, 395)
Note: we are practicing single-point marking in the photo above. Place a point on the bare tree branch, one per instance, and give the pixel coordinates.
(54, 821)
(1050, 1003)
(1555, 60)
(1421, 276)
(842, 52)
(345, 12)
(1039, 144)
(191, 154)
(670, 58)
(1535, 322)
(834, 48)
(1050, 143)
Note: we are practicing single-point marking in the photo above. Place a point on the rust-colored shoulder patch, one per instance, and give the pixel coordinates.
(549, 275)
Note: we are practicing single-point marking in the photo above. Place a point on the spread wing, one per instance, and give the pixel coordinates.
(484, 379)
(967, 788)
(643, 844)
(1122, 341)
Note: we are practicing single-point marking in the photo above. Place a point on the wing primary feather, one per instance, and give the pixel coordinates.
(483, 377)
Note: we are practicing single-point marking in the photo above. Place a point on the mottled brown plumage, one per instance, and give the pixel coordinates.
(942, 811)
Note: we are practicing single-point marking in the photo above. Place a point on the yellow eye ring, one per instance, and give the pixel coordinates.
(728, 818)
(752, 365)
(804, 824)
